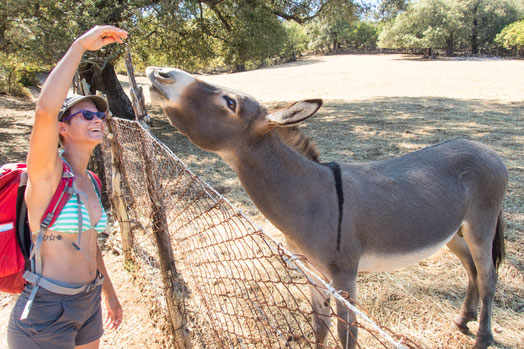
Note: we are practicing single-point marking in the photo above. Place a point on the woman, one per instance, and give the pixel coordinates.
(70, 256)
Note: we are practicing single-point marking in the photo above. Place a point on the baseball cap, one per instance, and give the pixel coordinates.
(73, 99)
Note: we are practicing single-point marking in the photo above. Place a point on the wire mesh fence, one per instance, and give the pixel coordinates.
(237, 287)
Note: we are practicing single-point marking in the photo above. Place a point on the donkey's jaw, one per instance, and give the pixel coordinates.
(167, 84)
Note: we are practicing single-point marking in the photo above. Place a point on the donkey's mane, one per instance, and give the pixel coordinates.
(292, 136)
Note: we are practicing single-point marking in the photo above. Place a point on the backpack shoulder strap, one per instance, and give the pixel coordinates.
(58, 201)
(23, 232)
(98, 182)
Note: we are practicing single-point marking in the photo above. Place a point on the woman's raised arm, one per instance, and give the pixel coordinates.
(42, 158)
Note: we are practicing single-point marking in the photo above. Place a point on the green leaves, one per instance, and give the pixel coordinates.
(450, 24)
(512, 36)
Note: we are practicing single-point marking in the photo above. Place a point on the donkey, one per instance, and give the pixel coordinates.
(352, 217)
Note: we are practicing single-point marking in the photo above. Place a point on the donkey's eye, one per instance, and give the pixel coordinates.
(231, 104)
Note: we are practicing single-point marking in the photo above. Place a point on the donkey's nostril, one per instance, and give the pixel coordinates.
(164, 75)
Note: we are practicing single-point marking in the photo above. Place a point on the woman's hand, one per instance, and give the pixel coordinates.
(114, 313)
(101, 35)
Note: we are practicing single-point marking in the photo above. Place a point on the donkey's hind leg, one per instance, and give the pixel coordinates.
(469, 309)
(479, 234)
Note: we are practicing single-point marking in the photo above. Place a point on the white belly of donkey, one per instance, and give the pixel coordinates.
(372, 262)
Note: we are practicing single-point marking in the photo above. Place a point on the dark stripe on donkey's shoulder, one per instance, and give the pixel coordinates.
(335, 167)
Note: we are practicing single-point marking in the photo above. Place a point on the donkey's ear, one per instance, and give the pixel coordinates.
(294, 113)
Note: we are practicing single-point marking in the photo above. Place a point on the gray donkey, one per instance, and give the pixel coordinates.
(352, 217)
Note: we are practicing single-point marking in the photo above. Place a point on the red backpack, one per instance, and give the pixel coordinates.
(15, 235)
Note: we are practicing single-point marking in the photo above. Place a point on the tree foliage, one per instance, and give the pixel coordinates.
(339, 26)
(450, 24)
(201, 35)
(22, 37)
(425, 24)
(295, 41)
(388, 10)
(512, 36)
(493, 17)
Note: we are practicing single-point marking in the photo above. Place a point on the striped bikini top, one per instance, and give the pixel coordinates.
(68, 220)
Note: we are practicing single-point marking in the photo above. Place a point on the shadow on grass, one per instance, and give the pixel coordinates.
(380, 128)
(386, 127)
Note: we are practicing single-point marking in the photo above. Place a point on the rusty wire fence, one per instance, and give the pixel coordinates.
(236, 286)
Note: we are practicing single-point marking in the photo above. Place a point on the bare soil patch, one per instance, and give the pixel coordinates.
(376, 107)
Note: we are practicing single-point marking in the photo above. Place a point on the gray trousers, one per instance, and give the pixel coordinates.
(56, 321)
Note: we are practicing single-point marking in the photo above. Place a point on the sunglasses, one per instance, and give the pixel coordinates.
(87, 115)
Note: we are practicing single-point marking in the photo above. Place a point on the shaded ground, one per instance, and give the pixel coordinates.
(375, 107)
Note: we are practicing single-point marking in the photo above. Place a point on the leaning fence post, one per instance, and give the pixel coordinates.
(173, 287)
(118, 177)
(136, 92)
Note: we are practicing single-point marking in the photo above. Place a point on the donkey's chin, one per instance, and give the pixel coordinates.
(157, 95)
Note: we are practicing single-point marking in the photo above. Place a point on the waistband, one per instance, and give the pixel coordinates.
(55, 286)
(62, 287)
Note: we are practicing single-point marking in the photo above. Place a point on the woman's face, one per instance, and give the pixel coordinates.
(80, 130)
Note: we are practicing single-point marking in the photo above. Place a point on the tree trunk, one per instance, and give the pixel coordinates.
(240, 67)
(429, 53)
(474, 30)
(449, 46)
(107, 82)
(9, 81)
(474, 42)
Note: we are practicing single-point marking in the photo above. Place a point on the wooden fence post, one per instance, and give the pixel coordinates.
(118, 177)
(174, 289)
(136, 92)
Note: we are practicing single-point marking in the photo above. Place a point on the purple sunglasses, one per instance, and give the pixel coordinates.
(87, 115)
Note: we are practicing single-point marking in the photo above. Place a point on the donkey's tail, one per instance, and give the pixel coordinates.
(498, 250)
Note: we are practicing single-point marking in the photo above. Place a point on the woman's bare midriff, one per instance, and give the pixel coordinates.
(62, 261)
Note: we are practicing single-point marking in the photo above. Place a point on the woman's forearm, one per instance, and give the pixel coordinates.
(107, 286)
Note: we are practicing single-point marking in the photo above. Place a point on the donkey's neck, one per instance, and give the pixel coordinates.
(285, 186)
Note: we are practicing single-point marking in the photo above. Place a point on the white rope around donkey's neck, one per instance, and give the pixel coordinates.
(331, 291)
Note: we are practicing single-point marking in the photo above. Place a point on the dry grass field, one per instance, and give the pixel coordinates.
(375, 107)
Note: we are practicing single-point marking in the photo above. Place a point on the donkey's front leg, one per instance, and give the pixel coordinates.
(321, 315)
(346, 282)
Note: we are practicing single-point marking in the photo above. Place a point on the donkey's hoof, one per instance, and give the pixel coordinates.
(483, 341)
(462, 323)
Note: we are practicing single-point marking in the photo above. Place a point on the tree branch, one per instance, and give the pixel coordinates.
(213, 6)
(297, 18)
